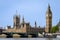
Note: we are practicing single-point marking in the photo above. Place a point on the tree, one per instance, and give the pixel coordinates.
(54, 29)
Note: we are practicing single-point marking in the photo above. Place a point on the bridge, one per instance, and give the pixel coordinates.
(21, 35)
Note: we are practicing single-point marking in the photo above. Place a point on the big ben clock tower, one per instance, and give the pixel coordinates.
(48, 20)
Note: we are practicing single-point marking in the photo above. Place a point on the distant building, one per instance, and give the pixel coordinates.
(58, 25)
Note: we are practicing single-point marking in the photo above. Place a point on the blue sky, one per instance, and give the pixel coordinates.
(33, 10)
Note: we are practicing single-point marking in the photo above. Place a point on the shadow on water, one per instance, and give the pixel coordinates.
(9, 36)
(29, 38)
(49, 38)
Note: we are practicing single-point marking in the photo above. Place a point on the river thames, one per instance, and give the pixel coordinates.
(29, 38)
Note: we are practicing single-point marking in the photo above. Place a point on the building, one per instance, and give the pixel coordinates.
(58, 25)
(23, 27)
(48, 20)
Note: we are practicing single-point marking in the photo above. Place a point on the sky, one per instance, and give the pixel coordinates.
(32, 10)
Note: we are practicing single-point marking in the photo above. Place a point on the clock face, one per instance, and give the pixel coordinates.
(47, 15)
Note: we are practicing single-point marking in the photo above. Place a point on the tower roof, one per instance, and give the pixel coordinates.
(48, 6)
(23, 20)
(16, 15)
(48, 9)
(35, 24)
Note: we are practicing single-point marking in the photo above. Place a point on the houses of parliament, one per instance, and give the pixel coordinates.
(24, 27)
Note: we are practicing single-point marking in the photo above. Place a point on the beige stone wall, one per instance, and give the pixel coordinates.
(16, 36)
(3, 36)
(21, 29)
(48, 20)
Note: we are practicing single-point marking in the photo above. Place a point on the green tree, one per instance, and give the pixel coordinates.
(54, 29)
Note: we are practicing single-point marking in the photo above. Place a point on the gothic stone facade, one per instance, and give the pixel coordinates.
(26, 28)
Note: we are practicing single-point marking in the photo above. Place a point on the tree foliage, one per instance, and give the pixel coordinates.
(54, 29)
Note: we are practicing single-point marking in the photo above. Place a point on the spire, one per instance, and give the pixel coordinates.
(17, 15)
(48, 6)
(23, 20)
(39, 26)
(16, 12)
(35, 24)
(48, 10)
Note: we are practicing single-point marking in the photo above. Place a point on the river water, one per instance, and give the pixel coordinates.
(29, 38)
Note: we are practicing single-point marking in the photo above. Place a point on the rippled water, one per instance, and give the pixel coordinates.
(29, 38)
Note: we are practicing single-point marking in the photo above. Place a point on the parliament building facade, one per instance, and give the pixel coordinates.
(24, 27)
